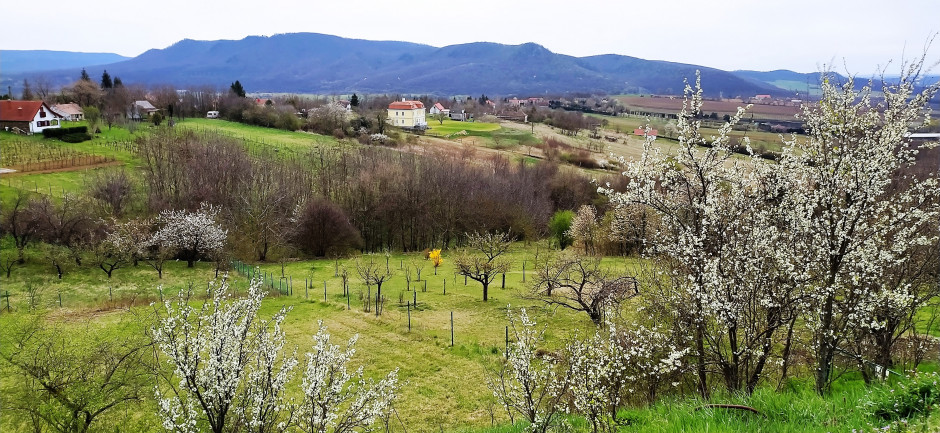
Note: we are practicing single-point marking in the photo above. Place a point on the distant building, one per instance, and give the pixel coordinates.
(141, 110)
(762, 97)
(437, 108)
(642, 132)
(345, 105)
(28, 116)
(462, 116)
(71, 112)
(407, 114)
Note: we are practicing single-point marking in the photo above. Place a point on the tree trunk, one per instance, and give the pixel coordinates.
(486, 287)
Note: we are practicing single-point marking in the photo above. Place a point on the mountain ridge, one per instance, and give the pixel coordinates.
(319, 63)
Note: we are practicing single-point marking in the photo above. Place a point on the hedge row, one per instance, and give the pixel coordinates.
(59, 132)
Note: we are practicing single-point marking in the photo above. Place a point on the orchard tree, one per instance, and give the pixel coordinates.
(718, 281)
(528, 385)
(228, 366)
(194, 235)
(69, 377)
(336, 400)
(857, 206)
(580, 284)
(485, 266)
(376, 273)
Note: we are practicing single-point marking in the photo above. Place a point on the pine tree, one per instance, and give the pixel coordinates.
(106, 80)
(85, 76)
(118, 82)
(237, 89)
(354, 101)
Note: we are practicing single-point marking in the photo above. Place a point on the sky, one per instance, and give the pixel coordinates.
(858, 37)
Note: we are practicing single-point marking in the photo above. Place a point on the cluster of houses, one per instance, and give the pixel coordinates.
(32, 117)
(412, 115)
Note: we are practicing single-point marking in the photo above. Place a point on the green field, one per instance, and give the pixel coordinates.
(491, 135)
(258, 137)
(443, 387)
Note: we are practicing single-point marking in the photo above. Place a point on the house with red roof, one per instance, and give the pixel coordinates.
(407, 114)
(29, 116)
(438, 108)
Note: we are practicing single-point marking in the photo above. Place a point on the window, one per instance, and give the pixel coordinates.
(42, 113)
(55, 122)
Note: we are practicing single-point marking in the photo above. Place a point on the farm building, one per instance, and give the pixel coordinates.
(71, 112)
(407, 114)
(28, 116)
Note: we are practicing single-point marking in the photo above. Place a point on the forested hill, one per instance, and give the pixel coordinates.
(317, 63)
(18, 61)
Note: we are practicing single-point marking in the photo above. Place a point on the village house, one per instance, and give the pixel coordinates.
(71, 112)
(439, 109)
(140, 110)
(28, 116)
(345, 105)
(407, 114)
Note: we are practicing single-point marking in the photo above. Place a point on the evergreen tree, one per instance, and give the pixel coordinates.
(85, 76)
(118, 82)
(354, 101)
(106, 80)
(237, 89)
(27, 91)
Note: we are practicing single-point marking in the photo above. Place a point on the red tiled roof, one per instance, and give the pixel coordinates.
(439, 106)
(20, 111)
(406, 105)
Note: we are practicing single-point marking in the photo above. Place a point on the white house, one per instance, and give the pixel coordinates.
(28, 116)
(437, 108)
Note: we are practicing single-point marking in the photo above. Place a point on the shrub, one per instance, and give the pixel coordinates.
(912, 397)
(76, 137)
(559, 226)
(59, 132)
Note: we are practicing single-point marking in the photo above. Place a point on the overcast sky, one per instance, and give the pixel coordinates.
(800, 35)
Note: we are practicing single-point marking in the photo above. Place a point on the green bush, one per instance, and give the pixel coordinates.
(908, 398)
(59, 132)
(77, 137)
(559, 226)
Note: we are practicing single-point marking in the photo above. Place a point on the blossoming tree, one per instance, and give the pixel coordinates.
(192, 234)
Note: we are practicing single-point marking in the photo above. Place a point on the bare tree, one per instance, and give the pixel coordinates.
(580, 283)
(485, 266)
(373, 272)
(18, 223)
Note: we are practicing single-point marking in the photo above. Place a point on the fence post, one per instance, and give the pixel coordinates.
(504, 280)
(60, 299)
(324, 290)
(523, 271)
(445, 286)
(451, 329)
(507, 342)
(409, 315)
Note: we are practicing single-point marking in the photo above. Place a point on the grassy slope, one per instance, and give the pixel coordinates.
(444, 386)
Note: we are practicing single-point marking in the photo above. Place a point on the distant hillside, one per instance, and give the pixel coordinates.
(317, 63)
(785, 79)
(18, 61)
